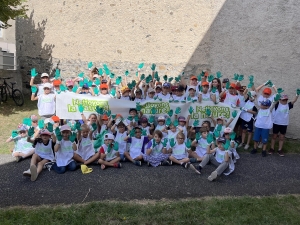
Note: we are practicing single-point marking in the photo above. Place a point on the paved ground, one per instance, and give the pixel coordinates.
(254, 175)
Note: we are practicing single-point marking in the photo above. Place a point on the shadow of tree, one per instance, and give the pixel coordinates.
(31, 51)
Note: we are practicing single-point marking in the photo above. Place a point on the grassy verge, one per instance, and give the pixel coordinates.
(241, 210)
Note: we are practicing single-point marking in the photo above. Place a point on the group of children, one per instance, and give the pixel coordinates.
(108, 140)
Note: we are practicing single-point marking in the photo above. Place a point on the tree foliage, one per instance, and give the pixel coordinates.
(11, 9)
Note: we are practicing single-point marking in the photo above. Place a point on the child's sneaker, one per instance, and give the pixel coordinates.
(253, 151)
(280, 152)
(170, 162)
(195, 169)
(246, 147)
(186, 165)
(48, 165)
(33, 171)
(260, 145)
(213, 176)
(193, 160)
(137, 163)
(165, 163)
(264, 153)
(148, 164)
(118, 165)
(18, 158)
(271, 151)
(27, 173)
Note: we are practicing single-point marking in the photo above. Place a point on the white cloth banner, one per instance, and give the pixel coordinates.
(67, 107)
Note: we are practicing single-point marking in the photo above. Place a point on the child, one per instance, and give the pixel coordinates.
(263, 124)
(109, 155)
(192, 94)
(179, 151)
(56, 86)
(137, 146)
(151, 93)
(132, 119)
(23, 148)
(145, 125)
(247, 116)
(229, 137)
(215, 90)
(85, 153)
(104, 91)
(201, 144)
(267, 92)
(154, 153)
(86, 90)
(120, 134)
(64, 150)
(281, 121)
(125, 94)
(205, 95)
(161, 126)
(178, 94)
(219, 157)
(138, 95)
(44, 79)
(172, 131)
(70, 85)
(165, 94)
(43, 153)
(231, 98)
(46, 102)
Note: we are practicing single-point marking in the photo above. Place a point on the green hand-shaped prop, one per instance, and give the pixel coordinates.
(217, 133)
(80, 108)
(209, 138)
(177, 79)
(113, 116)
(277, 97)
(208, 112)
(227, 85)
(198, 136)
(112, 75)
(116, 146)
(90, 65)
(138, 106)
(213, 90)
(143, 76)
(219, 127)
(130, 118)
(81, 75)
(94, 126)
(189, 98)
(250, 85)
(298, 92)
(210, 78)
(241, 77)
(153, 67)
(170, 113)
(136, 118)
(219, 75)
(165, 142)
(141, 65)
(153, 110)
(270, 84)
(165, 77)
(191, 110)
(81, 83)
(132, 133)
(172, 142)
(151, 119)
(170, 79)
(96, 90)
(177, 110)
(78, 126)
(200, 88)
(31, 131)
(234, 113)
(33, 89)
(99, 110)
(33, 72)
(27, 121)
(235, 77)
(280, 90)
(175, 123)
(144, 132)
(62, 87)
(196, 123)
(41, 124)
(113, 92)
(126, 73)
(57, 74)
(14, 133)
(59, 136)
(168, 122)
(232, 136)
(100, 72)
(251, 79)
(97, 81)
(188, 143)
(50, 127)
(72, 137)
(156, 76)
(227, 145)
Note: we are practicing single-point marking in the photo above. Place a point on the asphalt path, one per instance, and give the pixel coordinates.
(253, 176)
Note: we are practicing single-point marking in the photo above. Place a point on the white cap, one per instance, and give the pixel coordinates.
(151, 90)
(109, 137)
(45, 75)
(47, 85)
(192, 87)
(253, 93)
(161, 118)
(65, 127)
(96, 75)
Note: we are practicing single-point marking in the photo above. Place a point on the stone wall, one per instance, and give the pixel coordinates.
(233, 36)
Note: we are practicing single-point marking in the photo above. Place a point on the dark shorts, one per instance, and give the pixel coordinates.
(279, 129)
(247, 125)
(239, 122)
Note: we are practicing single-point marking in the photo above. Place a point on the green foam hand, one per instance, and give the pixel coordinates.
(251, 78)
(57, 74)
(175, 123)
(250, 85)
(130, 118)
(209, 138)
(14, 133)
(208, 112)
(153, 66)
(168, 122)
(241, 77)
(219, 75)
(138, 106)
(148, 79)
(277, 97)
(41, 124)
(132, 133)
(116, 146)
(118, 80)
(170, 79)
(133, 83)
(94, 126)
(62, 87)
(153, 110)
(176, 101)
(78, 126)
(213, 90)
(270, 84)
(227, 145)
(100, 72)
(75, 88)
(57, 131)
(198, 136)
(27, 121)
(177, 79)
(196, 123)
(172, 142)
(232, 136)
(235, 77)
(156, 75)
(31, 131)
(165, 142)
(72, 137)
(200, 88)
(112, 75)
(188, 143)
(199, 77)
(155, 97)
(50, 127)
(234, 114)
(107, 71)
(210, 78)
(171, 100)
(97, 143)
(113, 116)
(81, 75)
(144, 132)
(126, 73)
(153, 143)
(227, 85)
(219, 127)
(165, 77)
(97, 81)
(177, 110)
(189, 98)
(136, 118)
(33, 89)
(130, 86)
(141, 65)
(96, 90)
(59, 136)
(143, 76)
(266, 83)
(191, 110)
(151, 119)
(90, 65)
(81, 83)
(298, 92)
(113, 92)
(158, 79)
(217, 134)
(80, 108)
(33, 72)
(170, 113)
(280, 90)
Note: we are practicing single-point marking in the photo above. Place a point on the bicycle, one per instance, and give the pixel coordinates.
(14, 93)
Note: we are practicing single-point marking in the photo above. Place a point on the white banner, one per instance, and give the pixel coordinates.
(67, 107)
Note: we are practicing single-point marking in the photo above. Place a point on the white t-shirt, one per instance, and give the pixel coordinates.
(65, 153)
(44, 151)
(281, 114)
(220, 155)
(46, 104)
(264, 119)
(85, 148)
(164, 97)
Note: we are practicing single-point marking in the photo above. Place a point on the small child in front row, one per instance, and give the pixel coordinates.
(43, 153)
(119, 130)
(154, 154)
(137, 146)
(109, 155)
(23, 148)
(64, 150)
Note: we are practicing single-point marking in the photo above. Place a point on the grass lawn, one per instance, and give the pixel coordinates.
(229, 210)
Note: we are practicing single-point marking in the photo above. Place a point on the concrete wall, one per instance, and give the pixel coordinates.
(233, 36)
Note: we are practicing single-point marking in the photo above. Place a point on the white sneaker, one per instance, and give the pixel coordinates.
(27, 173)
(246, 147)
(260, 145)
(213, 176)
(33, 171)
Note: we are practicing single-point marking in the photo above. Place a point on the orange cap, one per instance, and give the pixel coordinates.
(55, 118)
(56, 82)
(104, 117)
(103, 86)
(232, 85)
(267, 91)
(204, 83)
(206, 74)
(193, 77)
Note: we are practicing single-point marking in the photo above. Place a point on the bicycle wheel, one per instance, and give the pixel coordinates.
(18, 97)
(3, 93)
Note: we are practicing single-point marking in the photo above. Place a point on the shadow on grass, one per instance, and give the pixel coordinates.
(9, 108)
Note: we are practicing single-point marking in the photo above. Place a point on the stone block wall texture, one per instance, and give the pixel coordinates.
(232, 36)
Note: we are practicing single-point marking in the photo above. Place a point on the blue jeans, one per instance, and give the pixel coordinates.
(62, 169)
